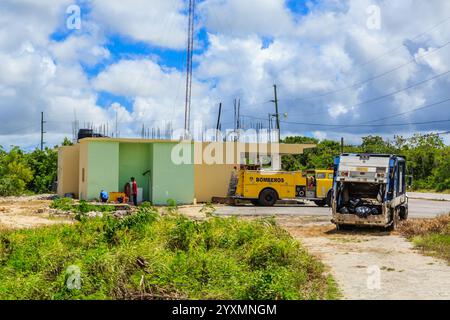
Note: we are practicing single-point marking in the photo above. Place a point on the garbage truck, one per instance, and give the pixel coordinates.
(369, 189)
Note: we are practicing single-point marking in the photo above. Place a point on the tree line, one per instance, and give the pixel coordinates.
(28, 173)
(427, 156)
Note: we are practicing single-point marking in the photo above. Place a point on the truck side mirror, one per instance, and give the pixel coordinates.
(409, 181)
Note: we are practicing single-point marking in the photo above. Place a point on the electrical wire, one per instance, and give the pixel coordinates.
(367, 123)
(387, 95)
(360, 83)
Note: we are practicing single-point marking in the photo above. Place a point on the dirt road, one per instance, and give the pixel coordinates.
(367, 264)
(372, 264)
(26, 212)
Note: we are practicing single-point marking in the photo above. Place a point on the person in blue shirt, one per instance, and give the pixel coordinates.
(104, 196)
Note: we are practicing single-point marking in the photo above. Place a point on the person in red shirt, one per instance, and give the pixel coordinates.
(134, 190)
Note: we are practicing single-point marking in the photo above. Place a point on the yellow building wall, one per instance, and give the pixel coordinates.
(215, 161)
(68, 166)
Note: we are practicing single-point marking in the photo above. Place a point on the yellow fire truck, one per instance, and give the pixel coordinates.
(265, 188)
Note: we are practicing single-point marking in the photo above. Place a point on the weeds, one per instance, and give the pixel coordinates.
(208, 209)
(147, 256)
(432, 236)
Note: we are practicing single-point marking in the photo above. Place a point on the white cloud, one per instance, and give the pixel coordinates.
(83, 48)
(161, 23)
(251, 45)
(157, 92)
(240, 18)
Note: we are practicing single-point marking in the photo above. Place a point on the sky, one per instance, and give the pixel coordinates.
(342, 68)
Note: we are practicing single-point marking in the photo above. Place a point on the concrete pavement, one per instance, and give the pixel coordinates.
(418, 208)
(429, 196)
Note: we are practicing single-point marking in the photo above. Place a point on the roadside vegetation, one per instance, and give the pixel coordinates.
(431, 236)
(428, 158)
(28, 173)
(149, 256)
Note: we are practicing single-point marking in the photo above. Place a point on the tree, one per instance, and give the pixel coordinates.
(376, 144)
(422, 154)
(67, 142)
(44, 165)
(15, 172)
(441, 172)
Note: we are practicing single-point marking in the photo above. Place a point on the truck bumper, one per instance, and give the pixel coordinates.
(353, 219)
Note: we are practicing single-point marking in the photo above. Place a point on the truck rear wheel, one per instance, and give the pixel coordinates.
(267, 198)
(404, 212)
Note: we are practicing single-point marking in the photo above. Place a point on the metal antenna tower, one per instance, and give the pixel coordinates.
(190, 52)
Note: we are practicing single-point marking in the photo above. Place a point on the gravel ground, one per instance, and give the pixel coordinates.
(356, 258)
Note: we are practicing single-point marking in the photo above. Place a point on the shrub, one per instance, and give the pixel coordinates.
(145, 256)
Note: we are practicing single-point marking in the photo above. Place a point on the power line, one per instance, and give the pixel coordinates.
(390, 94)
(409, 111)
(366, 124)
(402, 45)
(17, 130)
(398, 47)
(357, 84)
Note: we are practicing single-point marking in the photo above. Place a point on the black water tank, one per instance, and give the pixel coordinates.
(85, 133)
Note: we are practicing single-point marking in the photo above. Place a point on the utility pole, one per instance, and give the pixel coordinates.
(277, 115)
(342, 145)
(218, 121)
(42, 131)
(235, 115)
(239, 115)
(276, 106)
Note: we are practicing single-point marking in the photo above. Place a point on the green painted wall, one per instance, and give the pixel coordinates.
(103, 164)
(171, 181)
(134, 160)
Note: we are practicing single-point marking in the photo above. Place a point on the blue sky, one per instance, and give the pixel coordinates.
(129, 59)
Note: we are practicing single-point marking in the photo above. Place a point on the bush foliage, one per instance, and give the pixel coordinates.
(33, 172)
(146, 256)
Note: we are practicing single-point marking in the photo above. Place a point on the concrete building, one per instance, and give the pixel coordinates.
(182, 171)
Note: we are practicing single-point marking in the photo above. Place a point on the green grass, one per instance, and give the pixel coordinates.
(431, 236)
(147, 256)
(434, 244)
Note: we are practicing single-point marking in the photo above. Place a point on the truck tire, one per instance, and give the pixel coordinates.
(404, 212)
(329, 197)
(268, 198)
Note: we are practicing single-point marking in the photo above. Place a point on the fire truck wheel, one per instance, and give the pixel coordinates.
(268, 198)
